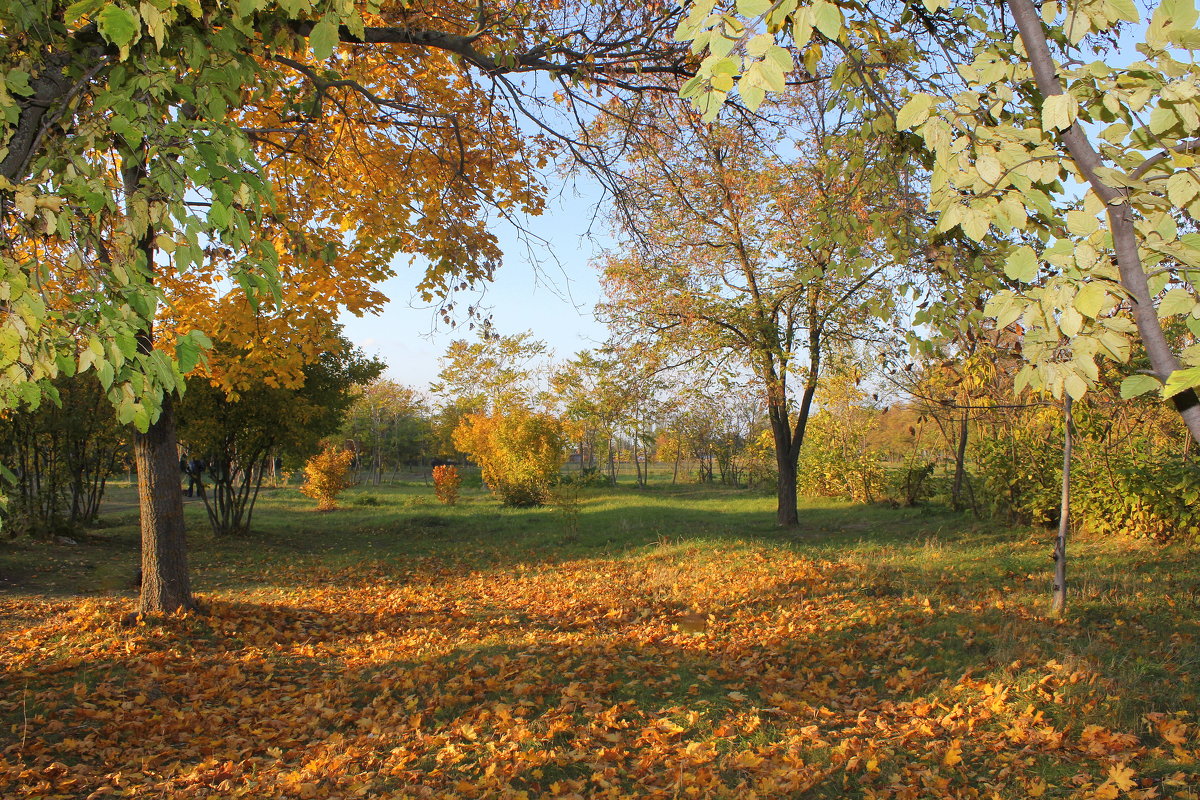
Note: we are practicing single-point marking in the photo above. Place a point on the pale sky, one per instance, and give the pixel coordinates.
(549, 288)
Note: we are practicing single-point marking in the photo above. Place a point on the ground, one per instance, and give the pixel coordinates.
(666, 643)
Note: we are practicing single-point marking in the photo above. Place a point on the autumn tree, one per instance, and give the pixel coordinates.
(138, 146)
(760, 255)
(493, 371)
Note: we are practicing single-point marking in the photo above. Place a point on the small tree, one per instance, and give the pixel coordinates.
(446, 482)
(237, 434)
(519, 451)
(327, 474)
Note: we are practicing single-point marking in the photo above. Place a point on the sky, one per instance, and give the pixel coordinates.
(549, 287)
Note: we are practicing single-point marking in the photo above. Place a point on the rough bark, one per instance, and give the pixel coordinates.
(165, 584)
(1120, 216)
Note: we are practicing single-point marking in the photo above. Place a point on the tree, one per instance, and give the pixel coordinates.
(122, 122)
(61, 455)
(236, 434)
(732, 251)
(390, 423)
(1006, 103)
(491, 372)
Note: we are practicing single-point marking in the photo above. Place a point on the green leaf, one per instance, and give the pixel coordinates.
(82, 8)
(827, 19)
(1181, 380)
(324, 37)
(1136, 385)
(1022, 264)
(117, 25)
(753, 8)
(1081, 223)
(1176, 301)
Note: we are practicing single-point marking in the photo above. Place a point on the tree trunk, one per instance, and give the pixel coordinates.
(960, 463)
(1120, 215)
(1059, 600)
(786, 514)
(165, 585)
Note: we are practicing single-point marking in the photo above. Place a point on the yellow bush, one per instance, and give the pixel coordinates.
(326, 475)
(518, 451)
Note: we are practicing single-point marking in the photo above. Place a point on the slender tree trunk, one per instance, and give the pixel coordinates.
(960, 463)
(1059, 600)
(165, 585)
(1120, 215)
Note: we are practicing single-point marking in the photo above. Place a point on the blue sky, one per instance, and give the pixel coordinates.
(548, 287)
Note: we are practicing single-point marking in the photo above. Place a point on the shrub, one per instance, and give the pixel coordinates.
(1150, 496)
(519, 453)
(446, 482)
(327, 474)
(836, 462)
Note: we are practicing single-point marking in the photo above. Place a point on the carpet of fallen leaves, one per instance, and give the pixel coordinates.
(576, 679)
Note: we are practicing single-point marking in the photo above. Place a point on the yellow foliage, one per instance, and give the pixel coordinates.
(519, 451)
(326, 475)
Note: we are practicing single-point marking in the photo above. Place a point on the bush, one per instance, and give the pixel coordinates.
(1021, 472)
(836, 462)
(913, 483)
(588, 478)
(1147, 496)
(327, 474)
(519, 453)
(446, 482)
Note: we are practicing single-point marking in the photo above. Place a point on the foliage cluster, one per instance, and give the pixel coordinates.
(446, 483)
(519, 452)
(326, 475)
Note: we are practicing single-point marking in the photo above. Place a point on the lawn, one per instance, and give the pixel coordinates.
(669, 642)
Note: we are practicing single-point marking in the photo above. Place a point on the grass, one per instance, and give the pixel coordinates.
(400, 648)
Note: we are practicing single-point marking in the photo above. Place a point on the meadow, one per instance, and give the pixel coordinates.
(668, 642)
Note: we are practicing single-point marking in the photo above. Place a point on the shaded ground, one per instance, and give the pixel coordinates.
(405, 650)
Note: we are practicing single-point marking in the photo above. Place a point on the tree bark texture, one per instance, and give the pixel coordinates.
(165, 584)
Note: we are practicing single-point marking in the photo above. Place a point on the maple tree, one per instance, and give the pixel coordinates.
(1008, 104)
(733, 252)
